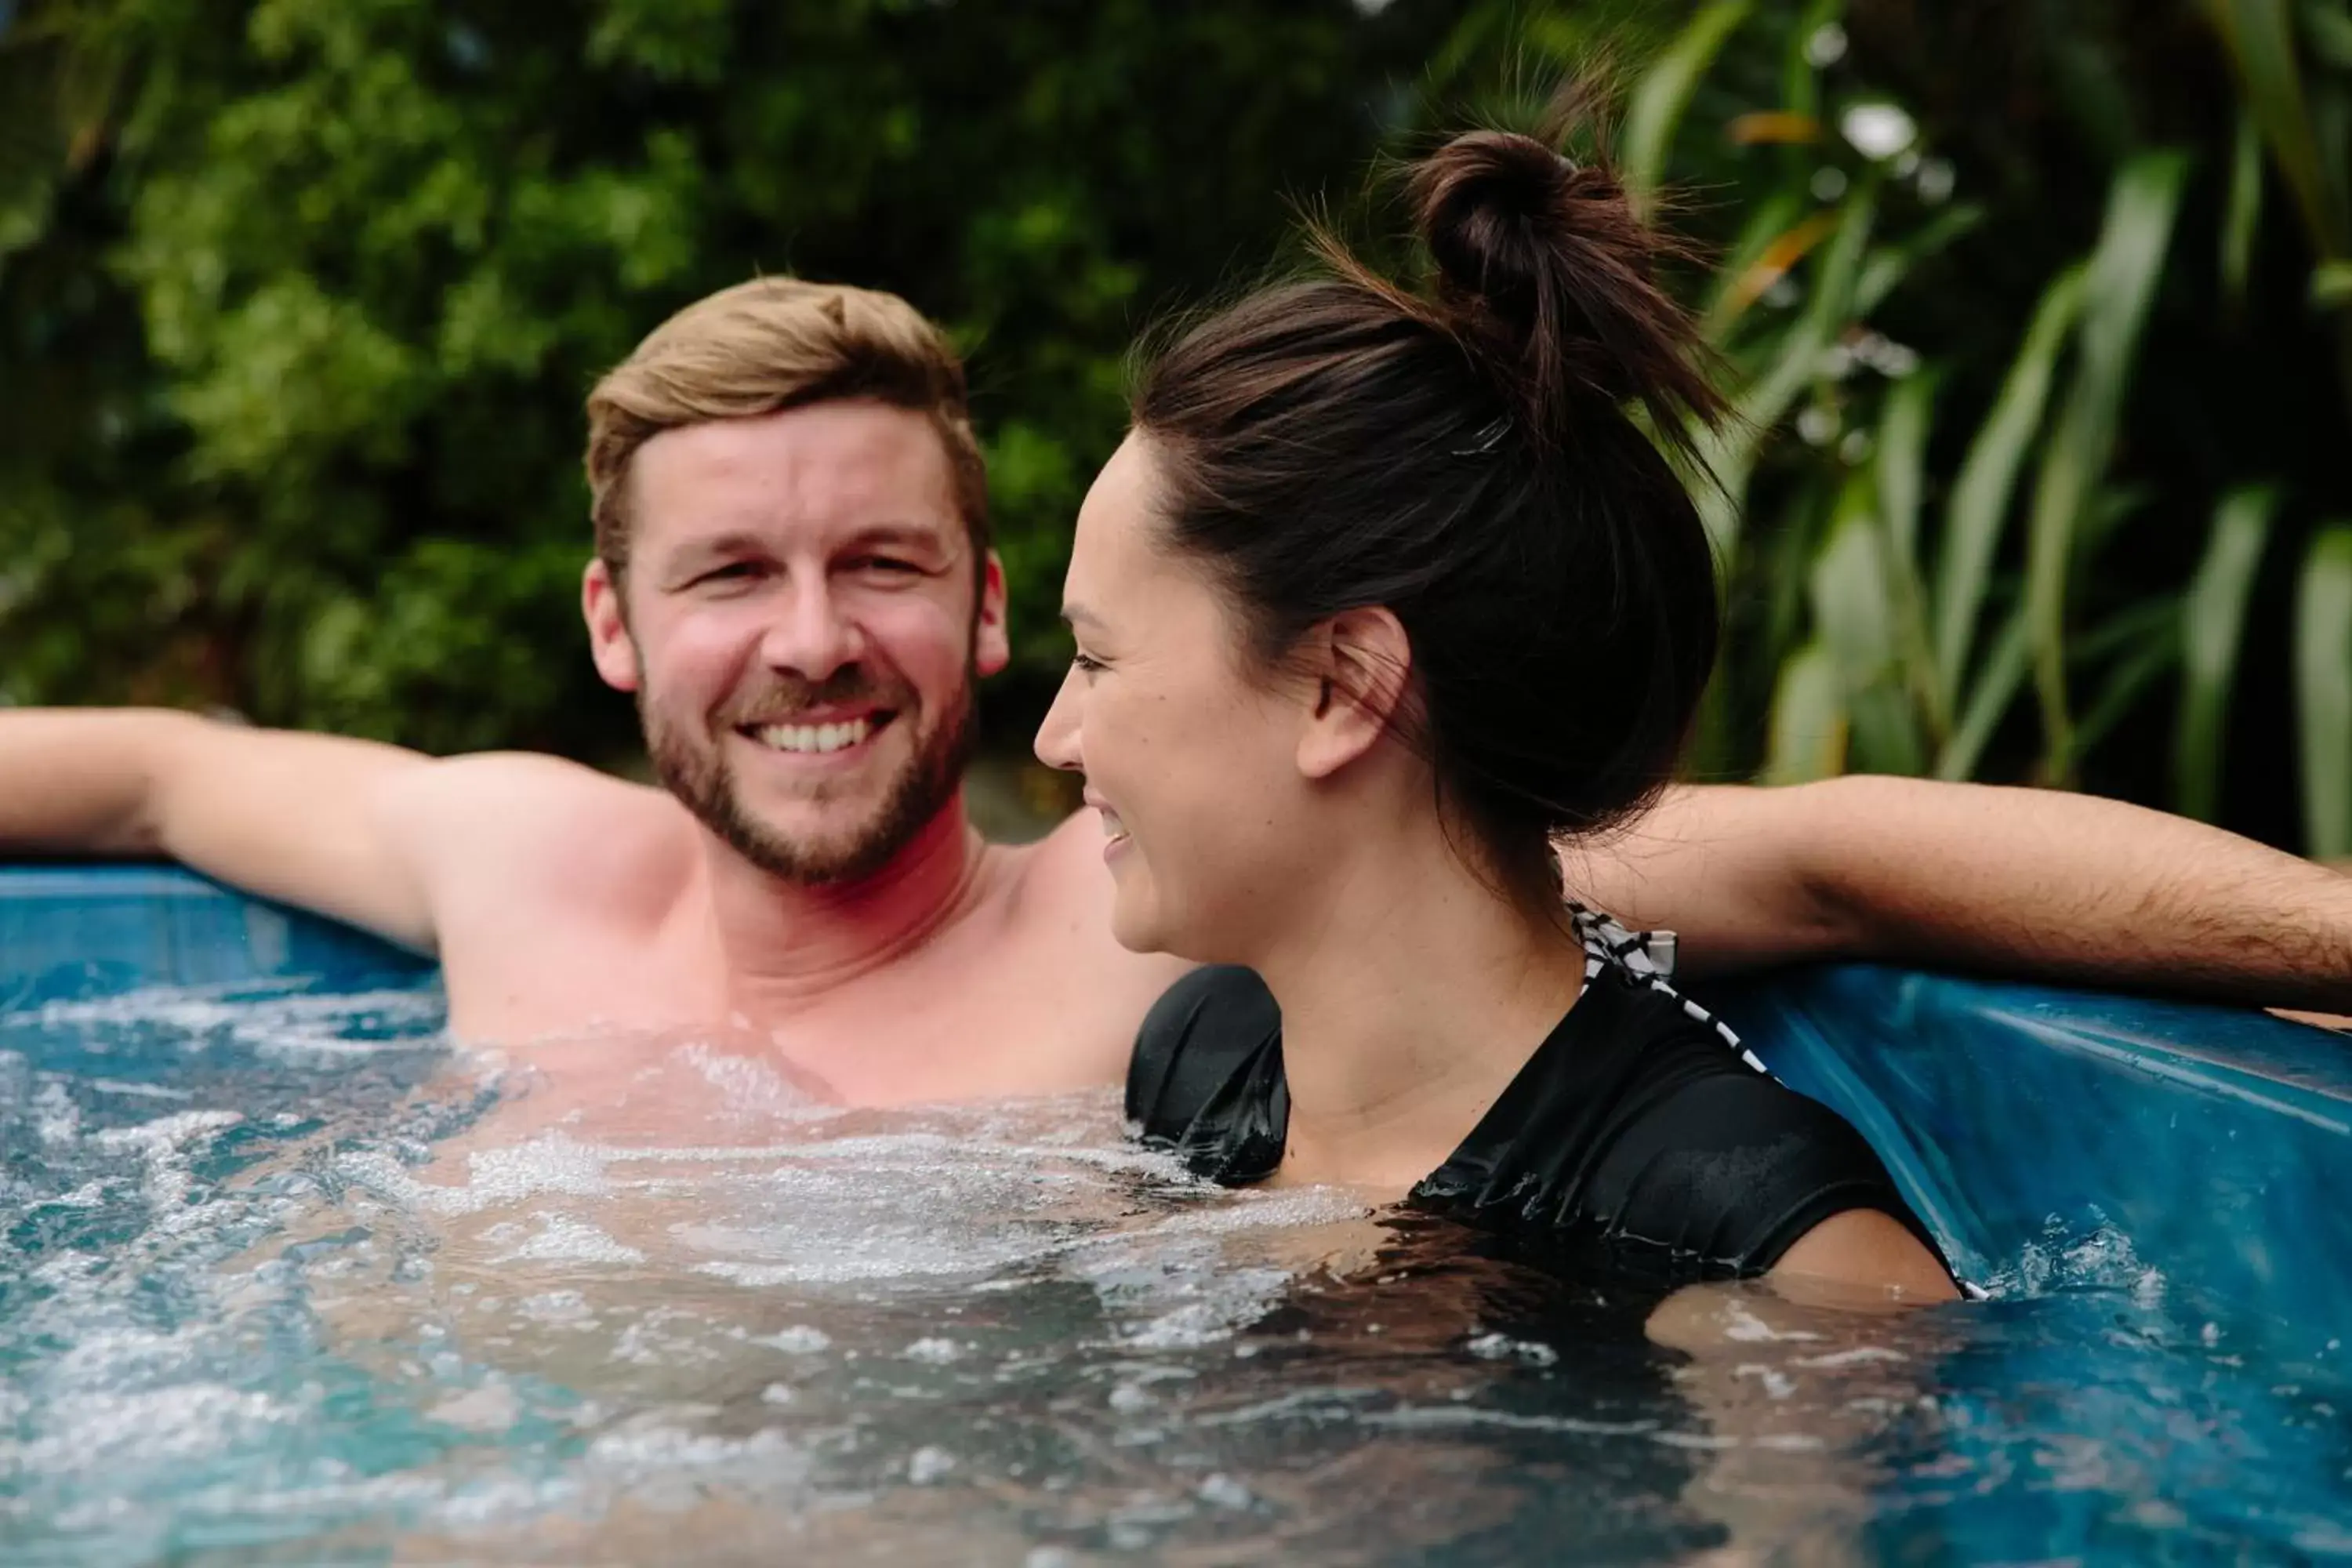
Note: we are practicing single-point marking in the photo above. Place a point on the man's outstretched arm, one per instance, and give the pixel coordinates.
(305, 818)
(2015, 881)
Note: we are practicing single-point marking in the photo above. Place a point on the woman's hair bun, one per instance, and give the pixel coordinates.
(1544, 264)
(1491, 206)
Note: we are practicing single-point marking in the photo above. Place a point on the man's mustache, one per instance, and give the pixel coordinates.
(785, 696)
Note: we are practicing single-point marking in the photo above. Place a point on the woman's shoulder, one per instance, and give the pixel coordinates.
(1736, 1167)
(1656, 1130)
(1206, 1070)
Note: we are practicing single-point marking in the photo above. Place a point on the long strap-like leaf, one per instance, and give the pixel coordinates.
(2212, 620)
(2120, 282)
(2323, 682)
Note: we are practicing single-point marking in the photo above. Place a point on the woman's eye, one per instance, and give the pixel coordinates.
(1086, 662)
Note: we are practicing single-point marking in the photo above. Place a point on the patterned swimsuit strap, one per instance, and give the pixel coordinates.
(1648, 958)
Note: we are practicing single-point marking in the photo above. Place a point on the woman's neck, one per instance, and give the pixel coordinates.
(1406, 1011)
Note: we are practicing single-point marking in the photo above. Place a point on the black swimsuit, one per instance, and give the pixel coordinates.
(1638, 1135)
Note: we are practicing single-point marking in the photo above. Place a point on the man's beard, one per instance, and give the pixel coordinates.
(702, 779)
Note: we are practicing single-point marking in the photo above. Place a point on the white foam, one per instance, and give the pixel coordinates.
(316, 1025)
(2101, 1257)
(749, 1085)
(101, 1428)
(564, 1239)
(135, 1091)
(56, 1120)
(935, 1352)
(1502, 1347)
(557, 1309)
(162, 1144)
(552, 1163)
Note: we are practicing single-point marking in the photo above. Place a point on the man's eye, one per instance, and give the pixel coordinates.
(733, 572)
(889, 565)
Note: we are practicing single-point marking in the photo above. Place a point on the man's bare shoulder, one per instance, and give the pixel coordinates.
(1066, 892)
(539, 823)
(1060, 878)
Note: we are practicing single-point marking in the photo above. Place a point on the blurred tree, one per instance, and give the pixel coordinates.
(2027, 304)
(298, 298)
(2040, 311)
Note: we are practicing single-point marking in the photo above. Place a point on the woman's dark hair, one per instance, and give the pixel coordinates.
(1468, 457)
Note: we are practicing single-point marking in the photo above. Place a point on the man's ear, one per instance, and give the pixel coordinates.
(992, 643)
(609, 642)
(1360, 662)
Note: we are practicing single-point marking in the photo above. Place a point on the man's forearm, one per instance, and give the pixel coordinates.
(2074, 887)
(79, 782)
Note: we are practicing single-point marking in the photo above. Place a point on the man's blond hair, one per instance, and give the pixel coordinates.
(767, 345)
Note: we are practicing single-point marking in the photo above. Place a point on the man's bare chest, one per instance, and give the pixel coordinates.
(947, 1025)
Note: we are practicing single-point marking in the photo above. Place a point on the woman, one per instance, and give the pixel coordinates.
(1383, 593)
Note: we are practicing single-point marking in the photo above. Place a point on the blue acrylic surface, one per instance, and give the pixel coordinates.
(2206, 1147)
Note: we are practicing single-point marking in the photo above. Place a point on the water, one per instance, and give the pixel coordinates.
(288, 1278)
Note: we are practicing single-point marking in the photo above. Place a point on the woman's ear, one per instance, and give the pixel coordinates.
(1360, 662)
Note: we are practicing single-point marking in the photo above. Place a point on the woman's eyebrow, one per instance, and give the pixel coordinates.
(1078, 617)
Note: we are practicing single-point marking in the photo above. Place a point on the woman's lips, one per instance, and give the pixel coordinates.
(1115, 830)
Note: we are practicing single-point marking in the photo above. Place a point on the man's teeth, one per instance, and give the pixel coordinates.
(815, 737)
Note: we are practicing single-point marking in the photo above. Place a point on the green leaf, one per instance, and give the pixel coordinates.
(2260, 35)
(2323, 686)
(2331, 285)
(1728, 451)
(2120, 283)
(2212, 623)
(2243, 213)
(1997, 685)
(1901, 469)
(1664, 93)
(1808, 722)
(1857, 620)
(1801, 82)
(1851, 613)
(1889, 266)
(2328, 26)
(1988, 477)
(1774, 216)
(2147, 655)
(1902, 460)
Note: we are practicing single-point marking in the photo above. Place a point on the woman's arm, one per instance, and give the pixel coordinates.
(1861, 1258)
(2018, 881)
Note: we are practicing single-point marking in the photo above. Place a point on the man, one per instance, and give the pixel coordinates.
(793, 578)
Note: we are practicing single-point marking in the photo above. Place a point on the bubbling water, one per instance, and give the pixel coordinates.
(291, 1278)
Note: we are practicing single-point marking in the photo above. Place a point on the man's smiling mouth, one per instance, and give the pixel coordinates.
(836, 735)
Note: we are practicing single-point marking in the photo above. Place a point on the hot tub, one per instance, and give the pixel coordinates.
(290, 1277)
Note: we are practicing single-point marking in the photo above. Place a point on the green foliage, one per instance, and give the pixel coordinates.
(2005, 464)
(298, 298)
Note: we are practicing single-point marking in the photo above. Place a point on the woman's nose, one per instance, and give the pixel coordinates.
(1057, 737)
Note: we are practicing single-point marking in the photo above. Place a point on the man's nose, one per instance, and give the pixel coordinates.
(811, 635)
